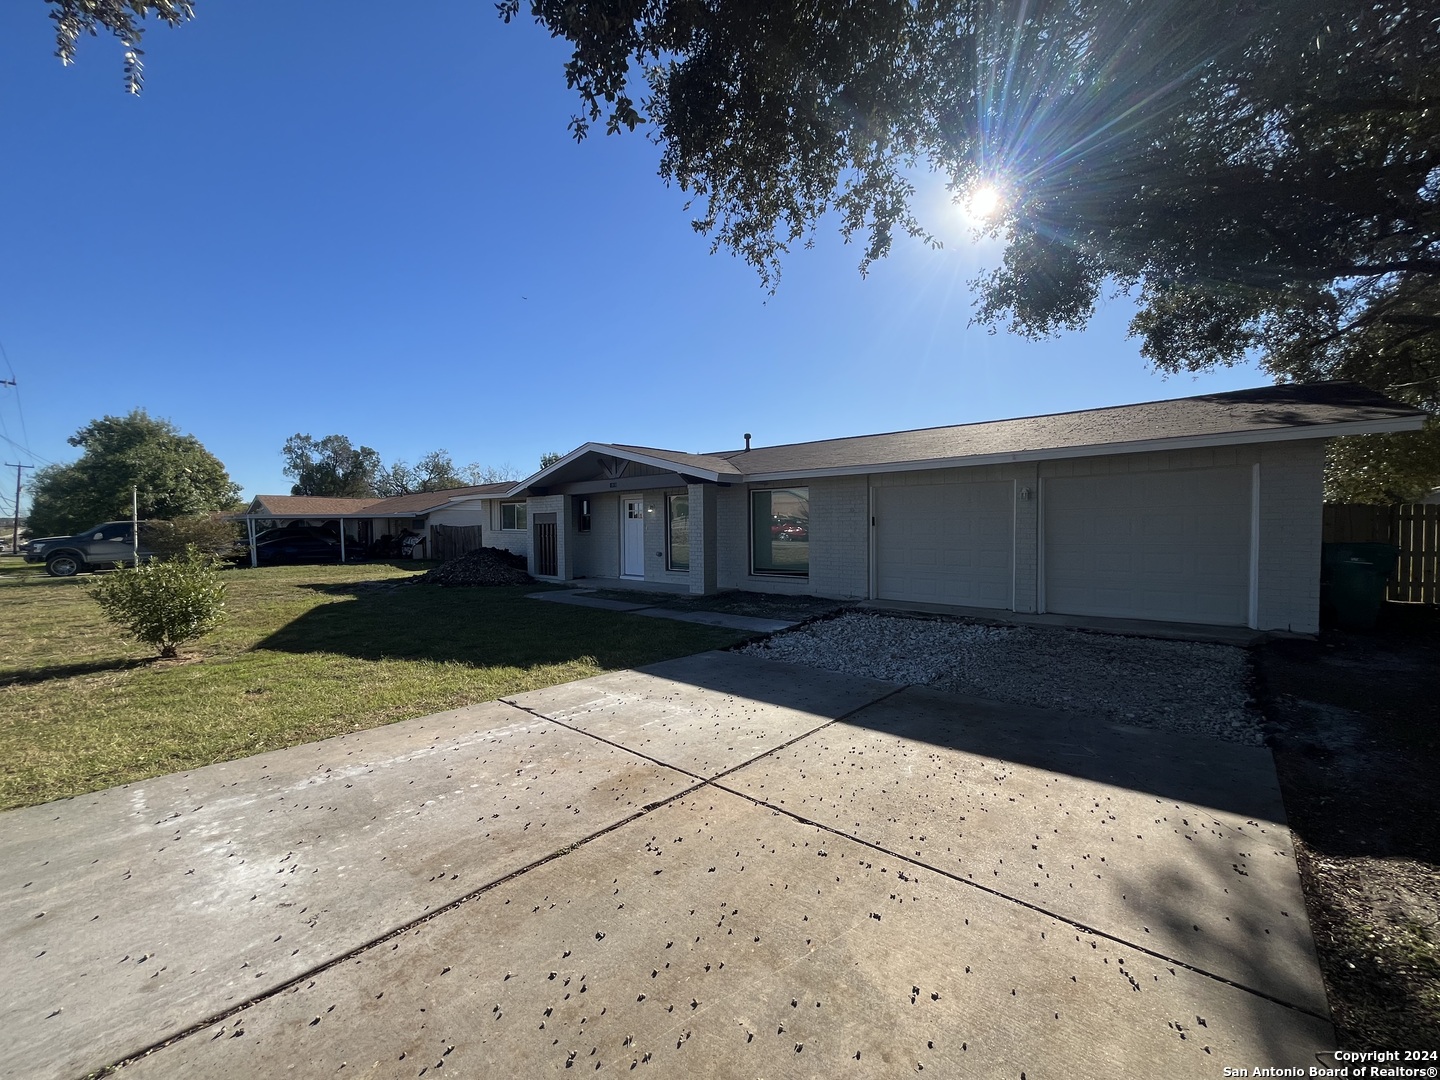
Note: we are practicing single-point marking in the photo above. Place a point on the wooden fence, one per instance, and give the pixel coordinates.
(451, 541)
(1414, 528)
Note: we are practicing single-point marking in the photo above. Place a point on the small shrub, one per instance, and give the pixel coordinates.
(164, 603)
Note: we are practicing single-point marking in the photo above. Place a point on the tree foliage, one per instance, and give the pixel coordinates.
(1384, 469)
(1263, 178)
(122, 18)
(331, 466)
(164, 603)
(550, 457)
(436, 471)
(174, 473)
(213, 535)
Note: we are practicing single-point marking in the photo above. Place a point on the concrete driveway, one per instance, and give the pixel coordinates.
(716, 866)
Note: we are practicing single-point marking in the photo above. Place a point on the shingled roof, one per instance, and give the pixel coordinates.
(1263, 414)
(1268, 413)
(318, 506)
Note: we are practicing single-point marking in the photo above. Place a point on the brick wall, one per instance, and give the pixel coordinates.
(839, 540)
(516, 540)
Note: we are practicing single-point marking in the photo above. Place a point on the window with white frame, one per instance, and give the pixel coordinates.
(512, 515)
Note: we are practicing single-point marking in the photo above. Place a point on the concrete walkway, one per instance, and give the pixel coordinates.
(717, 866)
(578, 598)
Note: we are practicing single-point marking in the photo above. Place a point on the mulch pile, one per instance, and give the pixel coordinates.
(483, 566)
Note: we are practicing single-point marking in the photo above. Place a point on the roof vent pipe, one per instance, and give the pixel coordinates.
(747, 440)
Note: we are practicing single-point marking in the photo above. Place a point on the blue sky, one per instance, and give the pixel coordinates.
(378, 226)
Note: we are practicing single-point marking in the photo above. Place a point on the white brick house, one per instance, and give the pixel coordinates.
(1194, 510)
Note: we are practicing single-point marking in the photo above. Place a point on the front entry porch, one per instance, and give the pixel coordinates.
(653, 530)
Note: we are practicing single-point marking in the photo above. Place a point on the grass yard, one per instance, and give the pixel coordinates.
(307, 652)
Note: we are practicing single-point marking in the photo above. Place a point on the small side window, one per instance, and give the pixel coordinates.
(512, 516)
(582, 513)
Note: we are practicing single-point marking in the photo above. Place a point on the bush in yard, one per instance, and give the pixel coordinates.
(210, 534)
(164, 603)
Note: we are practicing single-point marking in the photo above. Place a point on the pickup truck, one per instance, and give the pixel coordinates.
(105, 545)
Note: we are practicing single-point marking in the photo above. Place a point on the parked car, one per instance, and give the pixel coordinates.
(26, 545)
(789, 531)
(296, 543)
(99, 547)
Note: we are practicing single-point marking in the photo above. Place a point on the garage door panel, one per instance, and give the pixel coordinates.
(945, 543)
(1160, 545)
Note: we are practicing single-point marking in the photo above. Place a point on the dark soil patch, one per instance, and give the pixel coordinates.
(1354, 722)
(483, 566)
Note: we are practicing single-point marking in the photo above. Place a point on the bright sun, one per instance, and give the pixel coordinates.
(984, 203)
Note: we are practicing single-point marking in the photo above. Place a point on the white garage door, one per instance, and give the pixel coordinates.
(945, 543)
(1165, 545)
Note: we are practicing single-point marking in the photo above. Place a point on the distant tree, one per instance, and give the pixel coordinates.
(550, 457)
(174, 473)
(437, 471)
(330, 466)
(478, 474)
(394, 480)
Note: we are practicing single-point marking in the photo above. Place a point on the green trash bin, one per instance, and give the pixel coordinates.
(1352, 582)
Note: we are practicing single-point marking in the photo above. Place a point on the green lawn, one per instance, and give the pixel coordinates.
(307, 652)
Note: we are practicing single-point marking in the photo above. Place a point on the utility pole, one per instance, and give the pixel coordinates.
(15, 533)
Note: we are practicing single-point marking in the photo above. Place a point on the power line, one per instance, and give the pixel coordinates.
(19, 409)
(26, 450)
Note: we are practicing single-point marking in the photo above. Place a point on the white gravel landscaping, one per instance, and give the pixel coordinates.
(1184, 686)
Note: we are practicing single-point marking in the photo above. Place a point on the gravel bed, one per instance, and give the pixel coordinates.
(1184, 686)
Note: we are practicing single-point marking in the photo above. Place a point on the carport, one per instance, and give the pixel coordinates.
(373, 517)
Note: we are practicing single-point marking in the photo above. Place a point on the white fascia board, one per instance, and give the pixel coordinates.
(521, 485)
(1190, 442)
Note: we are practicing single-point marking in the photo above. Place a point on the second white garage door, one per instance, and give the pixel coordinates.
(945, 543)
(1163, 545)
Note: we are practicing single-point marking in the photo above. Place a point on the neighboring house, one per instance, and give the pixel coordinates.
(364, 522)
(1195, 510)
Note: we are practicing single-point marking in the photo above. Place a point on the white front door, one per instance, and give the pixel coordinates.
(632, 538)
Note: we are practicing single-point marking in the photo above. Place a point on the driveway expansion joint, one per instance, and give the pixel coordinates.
(389, 935)
(1015, 900)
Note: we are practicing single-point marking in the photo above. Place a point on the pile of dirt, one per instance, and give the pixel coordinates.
(483, 566)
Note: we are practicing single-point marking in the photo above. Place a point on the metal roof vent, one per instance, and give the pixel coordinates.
(747, 440)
